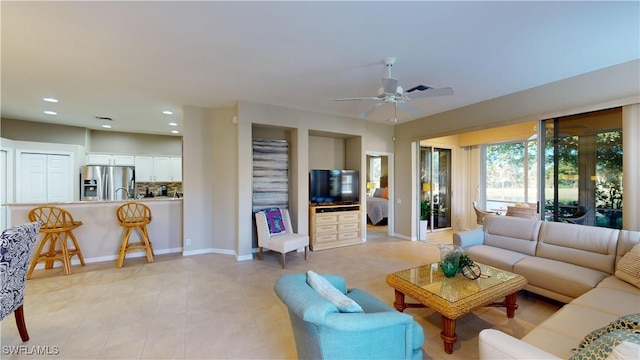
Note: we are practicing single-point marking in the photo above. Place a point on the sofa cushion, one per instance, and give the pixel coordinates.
(613, 282)
(564, 330)
(512, 233)
(568, 279)
(628, 322)
(586, 246)
(331, 293)
(604, 345)
(493, 256)
(601, 299)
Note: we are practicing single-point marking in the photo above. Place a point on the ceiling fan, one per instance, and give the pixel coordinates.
(392, 93)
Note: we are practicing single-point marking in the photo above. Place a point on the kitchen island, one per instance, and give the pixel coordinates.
(100, 235)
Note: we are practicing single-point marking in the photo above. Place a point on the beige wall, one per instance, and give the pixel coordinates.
(616, 86)
(43, 132)
(134, 144)
(92, 140)
(198, 221)
(207, 132)
(326, 153)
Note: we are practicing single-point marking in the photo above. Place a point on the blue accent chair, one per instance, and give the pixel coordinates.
(322, 332)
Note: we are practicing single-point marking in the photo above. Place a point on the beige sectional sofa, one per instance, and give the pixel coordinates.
(573, 264)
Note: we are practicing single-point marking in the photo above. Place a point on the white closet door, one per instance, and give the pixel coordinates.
(45, 178)
(59, 184)
(33, 178)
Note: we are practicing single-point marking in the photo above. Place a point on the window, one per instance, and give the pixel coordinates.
(375, 170)
(510, 174)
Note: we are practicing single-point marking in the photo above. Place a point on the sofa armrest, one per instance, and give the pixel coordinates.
(494, 344)
(389, 334)
(468, 238)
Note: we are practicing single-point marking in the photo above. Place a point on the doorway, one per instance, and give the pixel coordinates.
(434, 182)
(379, 194)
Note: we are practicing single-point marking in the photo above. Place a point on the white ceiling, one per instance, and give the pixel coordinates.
(132, 60)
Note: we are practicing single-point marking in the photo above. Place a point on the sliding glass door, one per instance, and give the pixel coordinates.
(583, 169)
(435, 189)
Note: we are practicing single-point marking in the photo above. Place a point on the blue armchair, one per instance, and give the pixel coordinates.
(322, 332)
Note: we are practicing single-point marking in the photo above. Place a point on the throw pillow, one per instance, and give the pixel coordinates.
(626, 350)
(628, 269)
(385, 193)
(275, 221)
(331, 293)
(627, 322)
(378, 192)
(605, 344)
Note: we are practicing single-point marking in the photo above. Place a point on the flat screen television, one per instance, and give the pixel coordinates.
(334, 187)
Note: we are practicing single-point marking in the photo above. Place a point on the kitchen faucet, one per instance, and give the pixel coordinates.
(121, 188)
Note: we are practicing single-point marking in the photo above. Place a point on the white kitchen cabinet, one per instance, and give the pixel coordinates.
(45, 178)
(176, 168)
(144, 169)
(161, 168)
(108, 159)
(158, 168)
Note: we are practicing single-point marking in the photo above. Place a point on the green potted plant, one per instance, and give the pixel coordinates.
(425, 215)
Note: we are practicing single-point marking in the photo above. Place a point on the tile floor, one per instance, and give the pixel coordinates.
(213, 307)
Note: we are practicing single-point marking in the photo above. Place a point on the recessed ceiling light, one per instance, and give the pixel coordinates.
(175, 132)
(106, 126)
(167, 112)
(51, 100)
(49, 112)
(173, 124)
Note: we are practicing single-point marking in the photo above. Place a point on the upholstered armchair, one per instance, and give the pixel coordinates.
(275, 232)
(16, 247)
(321, 331)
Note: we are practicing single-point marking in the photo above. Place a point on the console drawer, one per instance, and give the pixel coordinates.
(326, 229)
(326, 219)
(349, 217)
(349, 227)
(326, 238)
(349, 235)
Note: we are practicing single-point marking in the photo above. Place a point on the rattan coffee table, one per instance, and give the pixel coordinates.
(457, 296)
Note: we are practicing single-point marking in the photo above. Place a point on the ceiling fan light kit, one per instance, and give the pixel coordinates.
(392, 93)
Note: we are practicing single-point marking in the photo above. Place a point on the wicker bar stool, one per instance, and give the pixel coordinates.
(57, 227)
(134, 215)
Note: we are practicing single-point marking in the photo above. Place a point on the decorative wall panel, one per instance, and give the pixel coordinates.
(270, 174)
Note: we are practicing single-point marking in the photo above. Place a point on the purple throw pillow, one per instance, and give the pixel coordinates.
(275, 221)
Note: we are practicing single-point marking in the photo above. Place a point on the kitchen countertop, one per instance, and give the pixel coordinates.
(157, 198)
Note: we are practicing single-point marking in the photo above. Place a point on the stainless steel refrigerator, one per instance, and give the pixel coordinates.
(107, 182)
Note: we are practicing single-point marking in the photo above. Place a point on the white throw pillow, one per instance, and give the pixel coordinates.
(626, 350)
(331, 293)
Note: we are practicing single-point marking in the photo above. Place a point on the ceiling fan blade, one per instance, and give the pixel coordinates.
(408, 108)
(429, 92)
(390, 85)
(368, 112)
(358, 98)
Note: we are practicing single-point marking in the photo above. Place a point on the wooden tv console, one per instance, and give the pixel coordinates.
(332, 226)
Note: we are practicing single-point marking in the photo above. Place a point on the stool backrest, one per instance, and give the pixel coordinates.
(133, 212)
(51, 217)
